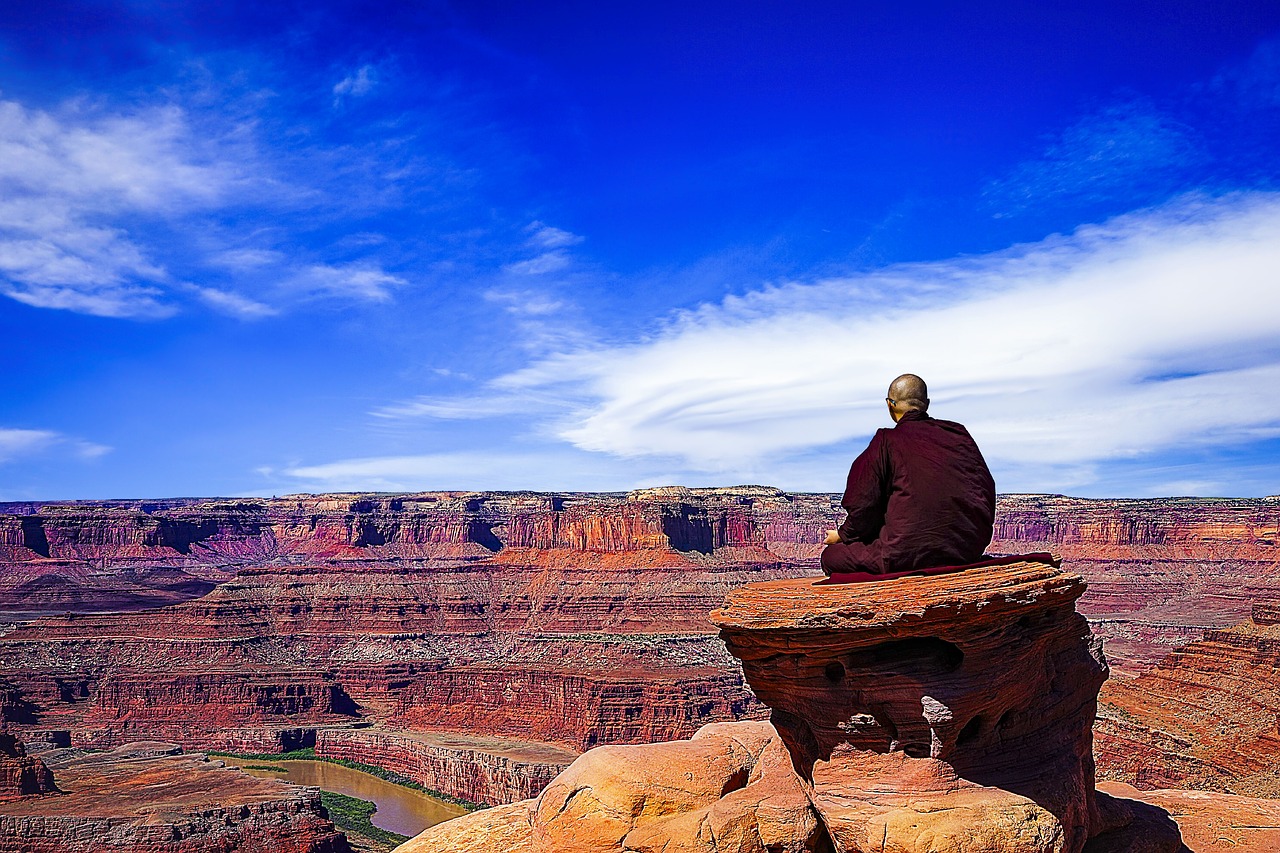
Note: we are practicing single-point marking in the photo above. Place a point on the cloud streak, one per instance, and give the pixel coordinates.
(108, 212)
(16, 444)
(1126, 151)
(535, 468)
(1156, 330)
(69, 177)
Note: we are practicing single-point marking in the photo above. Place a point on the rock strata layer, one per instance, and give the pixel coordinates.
(917, 706)
(1206, 717)
(21, 775)
(1160, 570)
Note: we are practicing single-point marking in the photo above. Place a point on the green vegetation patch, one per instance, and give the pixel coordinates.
(355, 815)
(270, 767)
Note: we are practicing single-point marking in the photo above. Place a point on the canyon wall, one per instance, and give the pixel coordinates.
(1207, 717)
(545, 621)
(1160, 571)
(944, 714)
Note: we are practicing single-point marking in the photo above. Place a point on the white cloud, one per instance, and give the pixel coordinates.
(550, 244)
(470, 408)
(246, 259)
(65, 179)
(1157, 330)
(1127, 149)
(547, 262)
(542, 236)
(548, 468)
(356, 84)
(19, 443)
(148, 160)
(15, 442)
(356, 281)
(234, 304)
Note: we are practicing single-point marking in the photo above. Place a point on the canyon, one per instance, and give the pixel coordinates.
(479, 642)
(942, 714)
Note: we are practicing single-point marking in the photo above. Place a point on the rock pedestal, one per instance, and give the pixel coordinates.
(921, 709)
(21, 775)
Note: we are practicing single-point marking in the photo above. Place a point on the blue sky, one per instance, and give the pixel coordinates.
(268, 248)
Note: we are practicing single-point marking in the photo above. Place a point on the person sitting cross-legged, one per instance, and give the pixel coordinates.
(919, 497)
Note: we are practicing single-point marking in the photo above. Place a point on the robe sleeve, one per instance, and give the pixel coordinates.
(866, 493)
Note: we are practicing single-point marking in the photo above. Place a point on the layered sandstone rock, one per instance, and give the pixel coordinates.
(444, 613)
(1208, 822)
(921, 706)
(460, 612)
(476, 768)
(64, 556)
(1161, 571)
(21, 775)
(1205, 718)
(143, 798)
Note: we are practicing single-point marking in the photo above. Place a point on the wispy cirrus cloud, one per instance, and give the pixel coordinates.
(356, 84)
(1115, 342)
(235, 304)
(550, 245)
(107, 211)
(69, 177)
(1125, 151)
(19, 443)
(357, 281)
(534, 468)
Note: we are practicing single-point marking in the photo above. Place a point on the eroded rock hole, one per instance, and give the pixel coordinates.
(916, 750)
(918, 654)
(970, 732)
(834, 672)
(735, 782)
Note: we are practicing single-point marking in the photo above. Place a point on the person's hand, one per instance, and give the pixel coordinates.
(833, 536)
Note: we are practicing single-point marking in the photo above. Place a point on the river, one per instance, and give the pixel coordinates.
(400, 809)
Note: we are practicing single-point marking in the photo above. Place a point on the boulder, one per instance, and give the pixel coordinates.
(729, 789)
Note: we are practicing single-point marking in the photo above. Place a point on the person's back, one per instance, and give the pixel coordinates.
(920, 496)
(941, 502)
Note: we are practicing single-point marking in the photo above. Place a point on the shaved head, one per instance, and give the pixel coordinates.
(908, 393)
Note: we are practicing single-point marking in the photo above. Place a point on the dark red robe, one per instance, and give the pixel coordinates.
(919, 496)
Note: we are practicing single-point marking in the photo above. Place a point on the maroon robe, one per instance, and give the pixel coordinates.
(919, 496)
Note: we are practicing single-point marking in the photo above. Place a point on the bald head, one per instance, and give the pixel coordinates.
(907, 393)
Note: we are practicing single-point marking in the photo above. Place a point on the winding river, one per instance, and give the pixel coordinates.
(400, 809)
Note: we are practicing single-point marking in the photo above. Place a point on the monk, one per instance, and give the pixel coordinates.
(919, 497)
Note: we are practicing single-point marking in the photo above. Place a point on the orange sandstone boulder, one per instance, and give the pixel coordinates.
(730, 789)
(501, 829)
(1209, 822)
